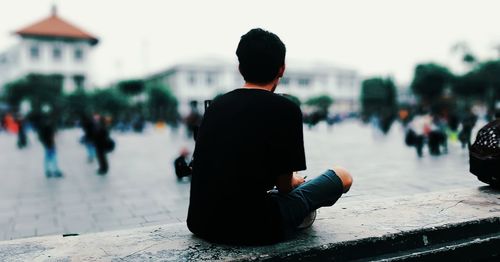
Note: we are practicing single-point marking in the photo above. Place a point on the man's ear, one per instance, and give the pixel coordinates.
(281, 71)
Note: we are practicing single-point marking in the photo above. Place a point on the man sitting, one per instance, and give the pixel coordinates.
(250, 141)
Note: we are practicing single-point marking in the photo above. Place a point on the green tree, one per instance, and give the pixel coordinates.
(463, 49)
(469, 85)
(109, 101)
(162, 103)
(378, 97)
(295, 99)
(38, 89)
(76, 104)
(430, 81)
(321, 103)
(489, 72)
(131, 87)
(78, 101)
(482, 82)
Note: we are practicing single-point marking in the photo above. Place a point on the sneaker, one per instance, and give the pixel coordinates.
(58, 174)
(308, 221)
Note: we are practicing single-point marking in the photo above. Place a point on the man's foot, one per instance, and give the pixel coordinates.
(48, 173)
(102, 172)
(58, 174)
(308, 221)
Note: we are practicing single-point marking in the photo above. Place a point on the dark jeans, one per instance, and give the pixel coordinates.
(322, 191)
(419, 144)
(102, 160)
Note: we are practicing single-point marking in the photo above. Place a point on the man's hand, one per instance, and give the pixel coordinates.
(297, 180)
(286, 183)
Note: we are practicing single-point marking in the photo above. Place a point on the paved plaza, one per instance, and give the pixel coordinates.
(141, 188)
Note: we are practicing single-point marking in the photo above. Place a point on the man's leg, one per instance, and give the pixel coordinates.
(90, 151)
(101, 159)
(419, 144)
(55, 166)
(322, 191)
(46, 162)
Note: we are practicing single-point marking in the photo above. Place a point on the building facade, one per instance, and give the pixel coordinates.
(206, 78)
(51, 46)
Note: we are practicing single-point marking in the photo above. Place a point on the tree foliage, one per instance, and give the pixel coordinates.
(469, 85)
(481, 82)
(294, 99)
(37, 89)
(430, 81)
(321, 102)
(489, 71)
(378, 97)
(109, 101)
(131, 87)
(162, 103)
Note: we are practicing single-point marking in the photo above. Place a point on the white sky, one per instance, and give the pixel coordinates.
(376, 37)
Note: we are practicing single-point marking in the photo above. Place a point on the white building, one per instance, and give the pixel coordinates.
(51, 46)
(207, 78)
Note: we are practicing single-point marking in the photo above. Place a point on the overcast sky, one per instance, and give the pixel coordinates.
(376, 37)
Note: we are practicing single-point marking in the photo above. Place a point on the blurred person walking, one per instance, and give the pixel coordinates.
(103, 145)
(46, 129)
(193, 120)
(22, 138)
(437, 137)
(421, 126)
(88, 126)
(468, 123)
(453, 124)
(10, 124)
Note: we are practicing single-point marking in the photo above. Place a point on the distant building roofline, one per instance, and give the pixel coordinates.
(56, 27)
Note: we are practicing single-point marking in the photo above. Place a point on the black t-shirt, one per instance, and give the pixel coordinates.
(247, 138)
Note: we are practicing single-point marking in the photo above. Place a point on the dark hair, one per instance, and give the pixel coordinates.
(261, 54)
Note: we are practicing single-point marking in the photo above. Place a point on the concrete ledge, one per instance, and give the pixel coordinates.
(463, 224)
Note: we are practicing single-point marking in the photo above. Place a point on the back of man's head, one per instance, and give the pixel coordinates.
(261, 55)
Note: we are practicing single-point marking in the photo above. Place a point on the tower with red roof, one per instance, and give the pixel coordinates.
(52, 46)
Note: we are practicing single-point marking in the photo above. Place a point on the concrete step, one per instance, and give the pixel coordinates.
(462, 224)
(471, 241)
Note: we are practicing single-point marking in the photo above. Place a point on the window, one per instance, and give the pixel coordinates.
(57, 53)
(304, 82)
(34, 52)
(79, 81)
(211, 78)
(192, 78)
(78, 54)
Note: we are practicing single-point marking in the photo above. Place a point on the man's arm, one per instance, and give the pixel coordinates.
(287, 182)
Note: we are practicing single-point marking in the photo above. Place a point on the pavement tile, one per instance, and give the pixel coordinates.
(165, 218)
(132, 221)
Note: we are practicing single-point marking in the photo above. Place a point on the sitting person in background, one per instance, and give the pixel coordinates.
(182, 168)
(484, 154)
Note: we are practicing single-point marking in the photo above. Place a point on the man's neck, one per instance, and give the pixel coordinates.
(268, 87)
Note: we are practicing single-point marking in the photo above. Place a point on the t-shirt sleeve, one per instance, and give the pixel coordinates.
(287, 146)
